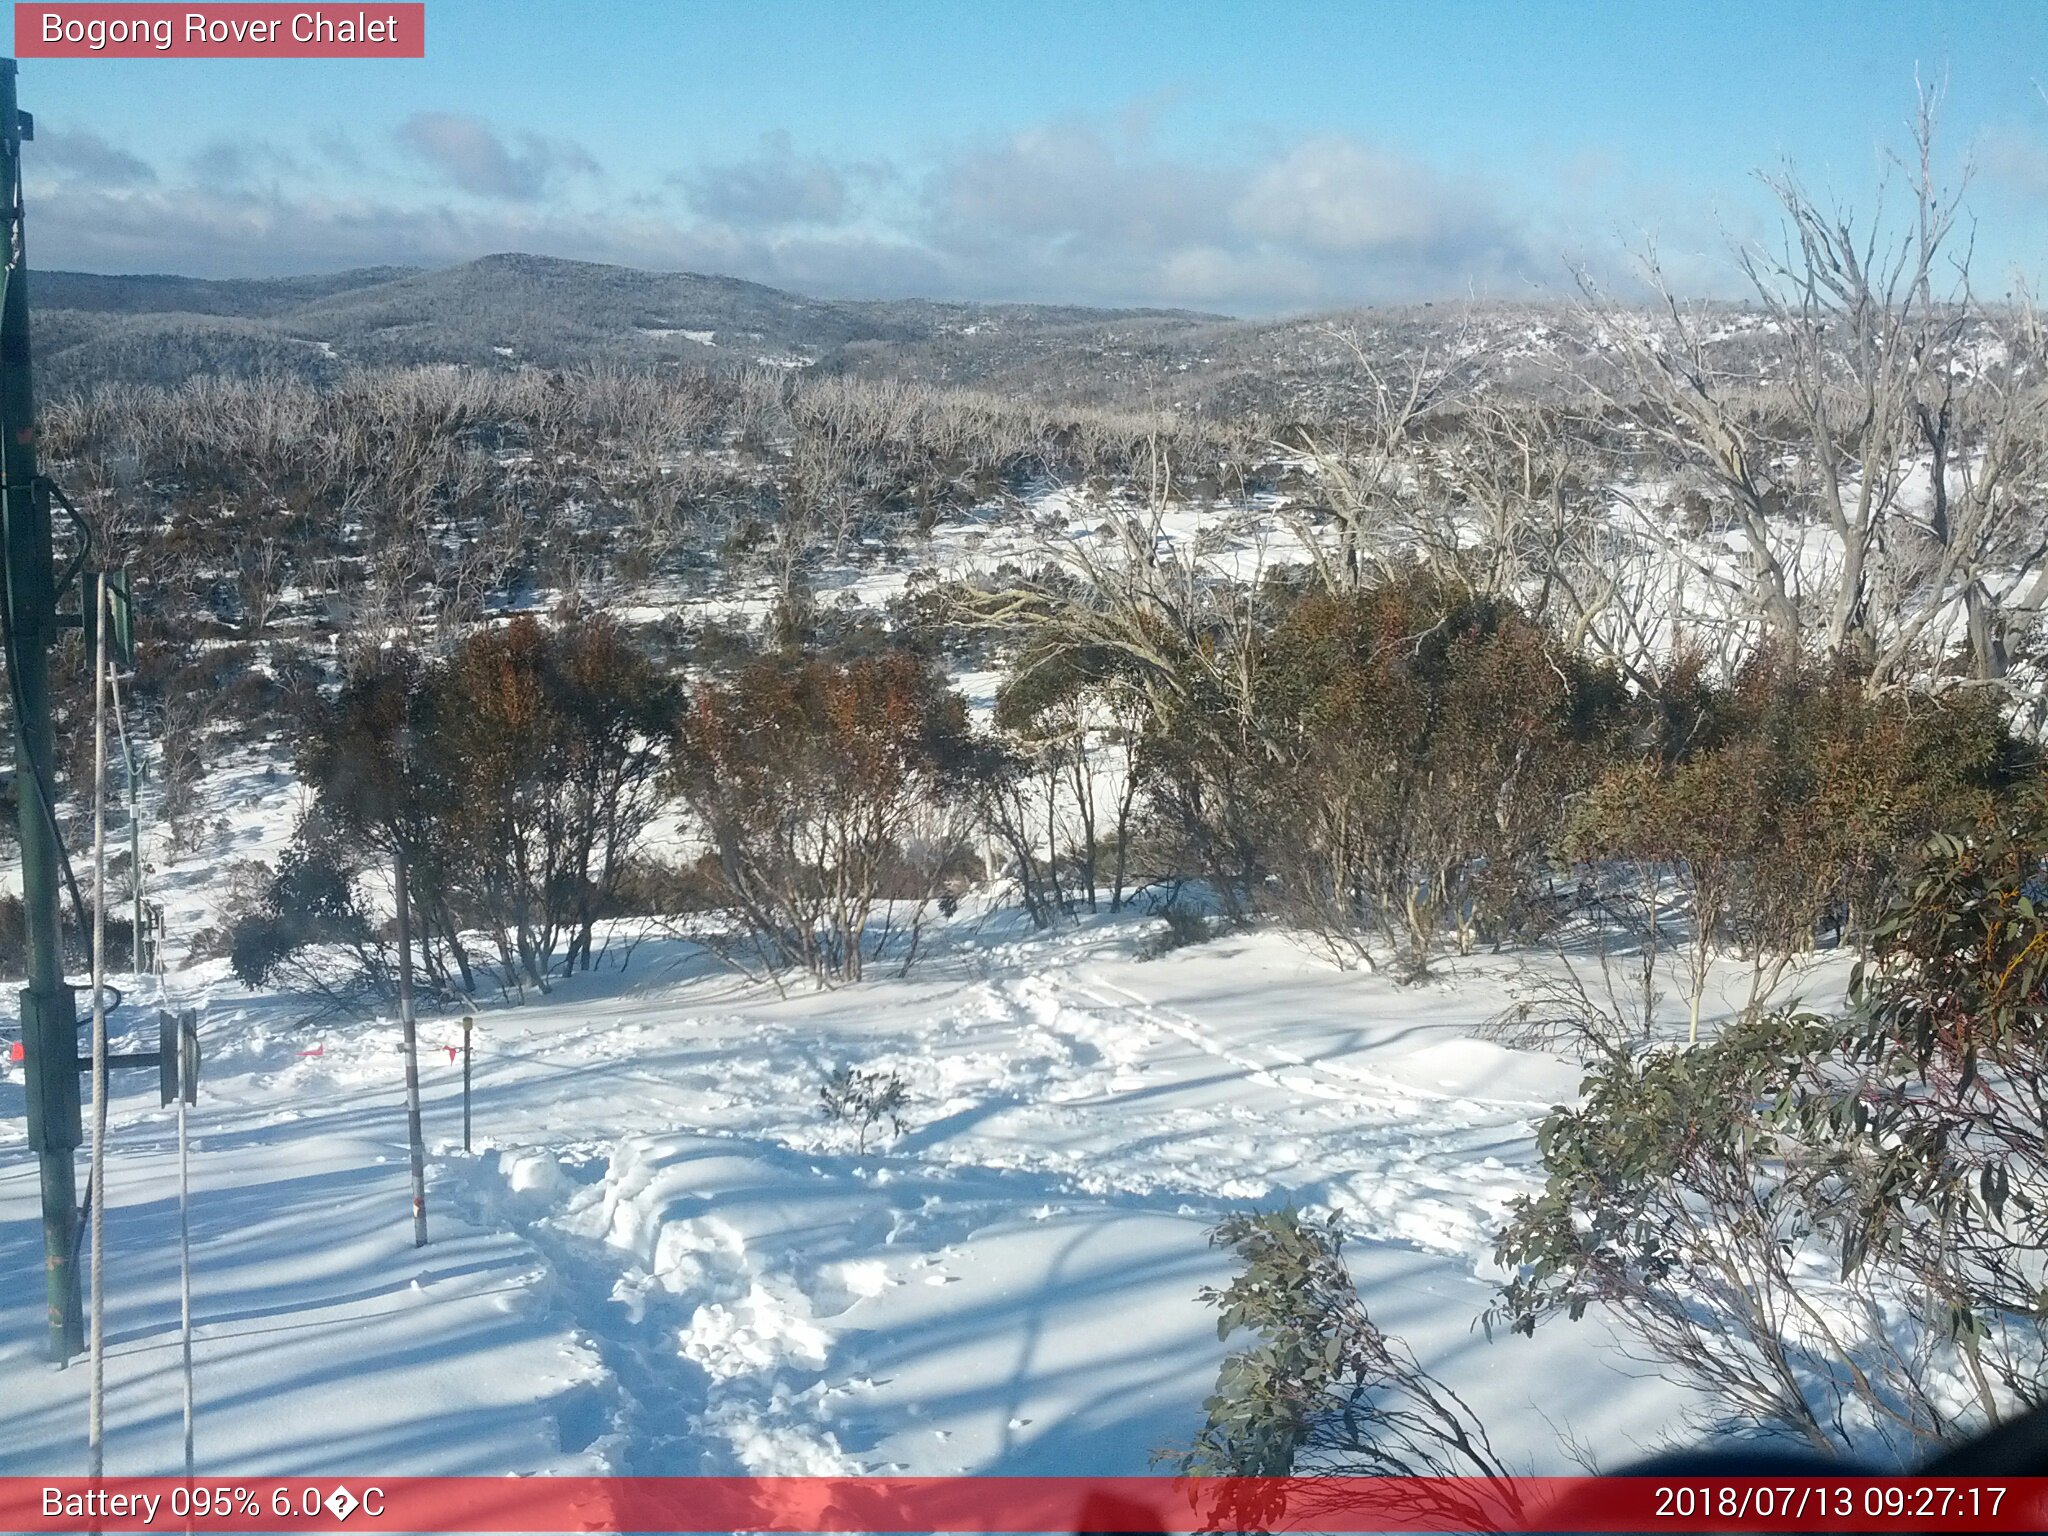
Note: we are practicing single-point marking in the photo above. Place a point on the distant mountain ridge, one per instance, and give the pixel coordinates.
(165, 293)
(515, 311)
(503, 310)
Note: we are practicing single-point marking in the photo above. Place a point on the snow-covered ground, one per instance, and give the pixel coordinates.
(661, 1259)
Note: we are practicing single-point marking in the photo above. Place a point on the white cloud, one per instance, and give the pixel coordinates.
(86, 157)
(467, 153)
(773, 188)
(1339, 197)
(2016, 161)
(1072, 210)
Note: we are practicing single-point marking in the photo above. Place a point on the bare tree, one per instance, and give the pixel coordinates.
(1368, 470)
(1172, 624)
(1888, 406)
(260, 576)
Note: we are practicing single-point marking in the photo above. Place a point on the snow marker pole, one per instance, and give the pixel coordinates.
(135, 958)
(188, 1095)
(468, 1024)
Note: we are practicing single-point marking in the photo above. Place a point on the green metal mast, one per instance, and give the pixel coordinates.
(28, 606)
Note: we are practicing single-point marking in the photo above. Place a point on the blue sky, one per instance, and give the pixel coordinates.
(1234, 156)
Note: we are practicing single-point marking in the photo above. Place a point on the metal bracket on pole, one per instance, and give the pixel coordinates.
(176, 1057)
(179, 1077)
(120, 632)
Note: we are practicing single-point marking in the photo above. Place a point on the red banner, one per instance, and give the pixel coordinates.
(100, 31)
(1010, 1504)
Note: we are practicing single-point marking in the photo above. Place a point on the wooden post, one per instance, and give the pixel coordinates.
(468, 1024)
(414, 1137)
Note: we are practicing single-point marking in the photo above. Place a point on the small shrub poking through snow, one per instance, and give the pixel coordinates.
(865, 1100)
(1184, 929)
(1324, 1391)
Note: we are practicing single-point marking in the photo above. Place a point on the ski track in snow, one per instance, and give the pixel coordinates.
(1429, 1172)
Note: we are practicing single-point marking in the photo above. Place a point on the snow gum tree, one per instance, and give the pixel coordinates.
(1423, 743)
(824, 789)
(1790, 808)
(1064, 720)
(517, 776)
(380, 791)
(557, 739)
(1880, 460)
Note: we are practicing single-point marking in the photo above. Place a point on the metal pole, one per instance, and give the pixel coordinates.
(96, 1424)
(49, 1012)
(136, 961)
(468, 1024)
(185, 1272)
(414, 1137)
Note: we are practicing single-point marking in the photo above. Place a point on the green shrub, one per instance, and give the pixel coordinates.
(1324, 1390)
(1833, 1225)
(864, 1099)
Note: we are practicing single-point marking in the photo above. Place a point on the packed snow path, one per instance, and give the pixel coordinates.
(660, 1259)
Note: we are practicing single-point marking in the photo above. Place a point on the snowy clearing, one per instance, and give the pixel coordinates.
(660, 1259)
